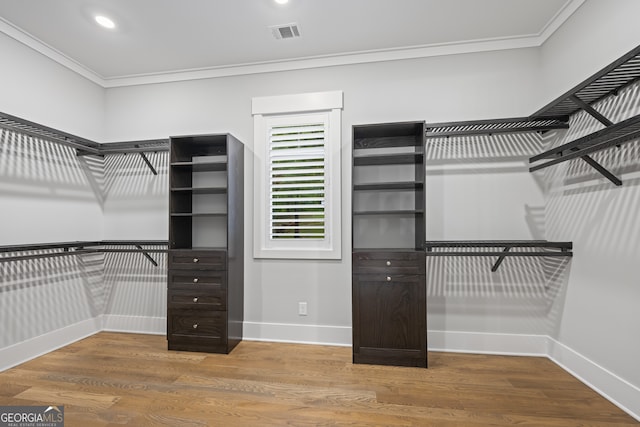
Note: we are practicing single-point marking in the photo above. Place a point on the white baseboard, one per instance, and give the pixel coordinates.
(296, 333)
(487, 343)
(135, 324)
(24, 351)
(618, 391)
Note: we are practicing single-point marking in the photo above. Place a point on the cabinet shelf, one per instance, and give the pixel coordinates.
(388, 159)
(200, 166)
(200, 190)
(198, 214)
(390, 212)
(381, 186)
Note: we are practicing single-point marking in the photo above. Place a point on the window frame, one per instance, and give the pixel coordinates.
(277, 109)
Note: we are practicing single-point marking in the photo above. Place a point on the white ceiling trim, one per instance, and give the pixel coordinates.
(39, 46)
(473, 46)
(563, 14)
(328, 61)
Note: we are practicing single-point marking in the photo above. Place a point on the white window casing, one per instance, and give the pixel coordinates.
(297, 141)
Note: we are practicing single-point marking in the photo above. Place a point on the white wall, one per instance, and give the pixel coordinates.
(47, 194)
(597, 34)
(38, 89)
(600, 319)
(485, 85)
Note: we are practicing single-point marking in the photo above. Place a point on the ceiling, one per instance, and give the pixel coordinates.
(164, 40)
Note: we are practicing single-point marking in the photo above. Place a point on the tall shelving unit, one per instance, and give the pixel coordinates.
(388, 223)
(206, 256)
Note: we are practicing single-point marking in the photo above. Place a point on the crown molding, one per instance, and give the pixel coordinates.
(351, 58)
(55, 55)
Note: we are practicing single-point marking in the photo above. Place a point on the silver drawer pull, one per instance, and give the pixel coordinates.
(195, 326)
(388, 263)
(195, 299)
(388, 278)
(195, 280)
(196, 260)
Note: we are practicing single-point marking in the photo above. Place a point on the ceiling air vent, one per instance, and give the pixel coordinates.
(287, 31)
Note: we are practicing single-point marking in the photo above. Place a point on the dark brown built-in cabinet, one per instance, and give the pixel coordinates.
(388, 223)
(206, 243)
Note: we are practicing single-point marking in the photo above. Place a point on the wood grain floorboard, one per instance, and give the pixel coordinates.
(113, 379)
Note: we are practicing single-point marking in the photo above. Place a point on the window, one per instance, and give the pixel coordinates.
(297, 176)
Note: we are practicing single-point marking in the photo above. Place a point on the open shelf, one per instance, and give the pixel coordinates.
(390, 212)
(198, 214)
(58, 249)
(382, 186)
(607, 82)
(488, 248)
(614, 135)
(200, 166)
(83, 146)
(388, 159)
(200, 190)
(495, 126)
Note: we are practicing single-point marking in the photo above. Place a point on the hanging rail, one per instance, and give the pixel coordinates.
(607, 82)
(83, 146)
(81, 247)
(495, 126)
(542, 248)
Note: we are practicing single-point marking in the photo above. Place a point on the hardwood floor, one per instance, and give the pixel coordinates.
(113, 379)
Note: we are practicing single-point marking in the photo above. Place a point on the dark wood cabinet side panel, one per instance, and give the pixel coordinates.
(235, 238)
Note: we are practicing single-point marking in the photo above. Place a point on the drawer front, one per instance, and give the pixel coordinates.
(197, 299)
(389, 262)
(198, 259)
(193, 324)
(390, 319)
(195, 279)
(389, 279)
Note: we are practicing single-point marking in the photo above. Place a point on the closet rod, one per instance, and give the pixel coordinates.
(82, 247)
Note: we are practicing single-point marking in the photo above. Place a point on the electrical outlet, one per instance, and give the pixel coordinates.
(302, 308)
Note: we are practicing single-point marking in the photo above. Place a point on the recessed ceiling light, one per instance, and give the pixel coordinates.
(105, 22)
(282, 1)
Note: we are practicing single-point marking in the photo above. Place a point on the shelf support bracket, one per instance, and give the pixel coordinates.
(147, 256)
(601, 169)
(146, 160)
(499, 260)
(590, 110)
(148, 163)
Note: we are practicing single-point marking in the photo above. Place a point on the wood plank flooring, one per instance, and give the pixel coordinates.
(113, 379)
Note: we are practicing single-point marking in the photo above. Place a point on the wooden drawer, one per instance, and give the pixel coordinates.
(197, 259)
(194, 279)
(192, 323)
(389, 279)
(197, 299)
(389, 262)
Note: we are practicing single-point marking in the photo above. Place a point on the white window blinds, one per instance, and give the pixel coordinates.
(297, 156)
(296, 172)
